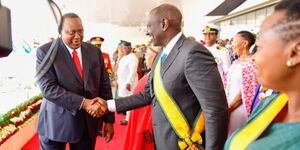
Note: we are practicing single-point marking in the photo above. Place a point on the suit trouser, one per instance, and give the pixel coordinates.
(85, 143)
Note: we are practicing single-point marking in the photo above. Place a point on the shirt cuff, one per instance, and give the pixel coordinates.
(111, 105)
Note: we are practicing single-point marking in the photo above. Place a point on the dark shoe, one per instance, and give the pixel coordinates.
(123, 122)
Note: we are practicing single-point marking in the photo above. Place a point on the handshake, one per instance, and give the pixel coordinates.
(96, 107)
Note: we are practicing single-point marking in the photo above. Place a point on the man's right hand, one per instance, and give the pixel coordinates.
(95, 107)
(103, 103)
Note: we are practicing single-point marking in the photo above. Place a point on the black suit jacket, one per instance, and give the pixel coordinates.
(191, 76)
(60, 118)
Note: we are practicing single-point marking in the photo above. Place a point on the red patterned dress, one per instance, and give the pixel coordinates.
(240, 78)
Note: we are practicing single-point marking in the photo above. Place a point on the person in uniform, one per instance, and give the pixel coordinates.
(97, 41)
(222, 58)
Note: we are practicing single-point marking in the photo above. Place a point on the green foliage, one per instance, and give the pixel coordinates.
(5, 118)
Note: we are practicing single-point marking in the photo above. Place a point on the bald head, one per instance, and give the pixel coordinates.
(163, 24)
(171, 13)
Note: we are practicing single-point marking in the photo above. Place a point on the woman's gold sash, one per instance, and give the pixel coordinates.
(256, 127)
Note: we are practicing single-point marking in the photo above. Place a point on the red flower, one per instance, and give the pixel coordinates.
(13, 114)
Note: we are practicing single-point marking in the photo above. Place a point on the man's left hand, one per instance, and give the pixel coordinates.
(148, 137)
(108, 132)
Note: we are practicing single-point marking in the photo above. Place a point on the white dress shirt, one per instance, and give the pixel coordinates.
(78, 50)
(171, 44)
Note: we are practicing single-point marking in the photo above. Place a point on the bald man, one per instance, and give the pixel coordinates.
(184, 83)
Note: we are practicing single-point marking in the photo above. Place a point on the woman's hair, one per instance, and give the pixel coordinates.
(292, 8)
(288, 27)
(248, 36)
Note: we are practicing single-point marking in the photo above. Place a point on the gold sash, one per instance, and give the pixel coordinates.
(256, 127)
(176, 118)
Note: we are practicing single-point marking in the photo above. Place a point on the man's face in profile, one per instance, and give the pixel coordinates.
(154, 29)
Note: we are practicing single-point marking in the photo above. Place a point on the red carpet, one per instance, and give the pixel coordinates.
(115, 144)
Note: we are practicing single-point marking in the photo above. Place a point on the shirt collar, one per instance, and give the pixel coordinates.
(78, 50)
(214, 45)
(171, 44)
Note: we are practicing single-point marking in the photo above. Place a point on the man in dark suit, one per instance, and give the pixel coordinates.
(190, 75)
(70, 87)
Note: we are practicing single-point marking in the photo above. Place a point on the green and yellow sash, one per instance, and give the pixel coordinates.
(188, 139)
(257, 126)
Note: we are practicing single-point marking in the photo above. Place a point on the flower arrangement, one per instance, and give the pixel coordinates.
(17, 117)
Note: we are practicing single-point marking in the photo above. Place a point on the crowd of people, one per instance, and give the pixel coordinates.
(177, 93)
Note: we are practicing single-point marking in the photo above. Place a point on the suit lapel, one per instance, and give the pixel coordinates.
(173, 54)
(85, 64)
(69, 61)
(171, 57)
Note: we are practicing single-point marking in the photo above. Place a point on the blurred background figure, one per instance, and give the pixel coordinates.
(240, 82)
(228, 46)
(127, 74)
(221, 45)
(97, 41)
(117, 56)
(222, 58)
(140, 51)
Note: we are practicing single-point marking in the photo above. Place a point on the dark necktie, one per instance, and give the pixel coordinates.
(77, 63)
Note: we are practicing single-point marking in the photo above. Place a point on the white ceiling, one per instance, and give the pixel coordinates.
(118, 12)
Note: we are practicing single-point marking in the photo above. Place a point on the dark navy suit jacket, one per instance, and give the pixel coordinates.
(63, 90)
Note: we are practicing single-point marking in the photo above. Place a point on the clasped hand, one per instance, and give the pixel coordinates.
(96, 107)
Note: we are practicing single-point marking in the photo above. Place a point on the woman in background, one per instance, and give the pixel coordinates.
(240, 82)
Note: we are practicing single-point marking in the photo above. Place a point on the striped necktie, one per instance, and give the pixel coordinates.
(77, 63)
